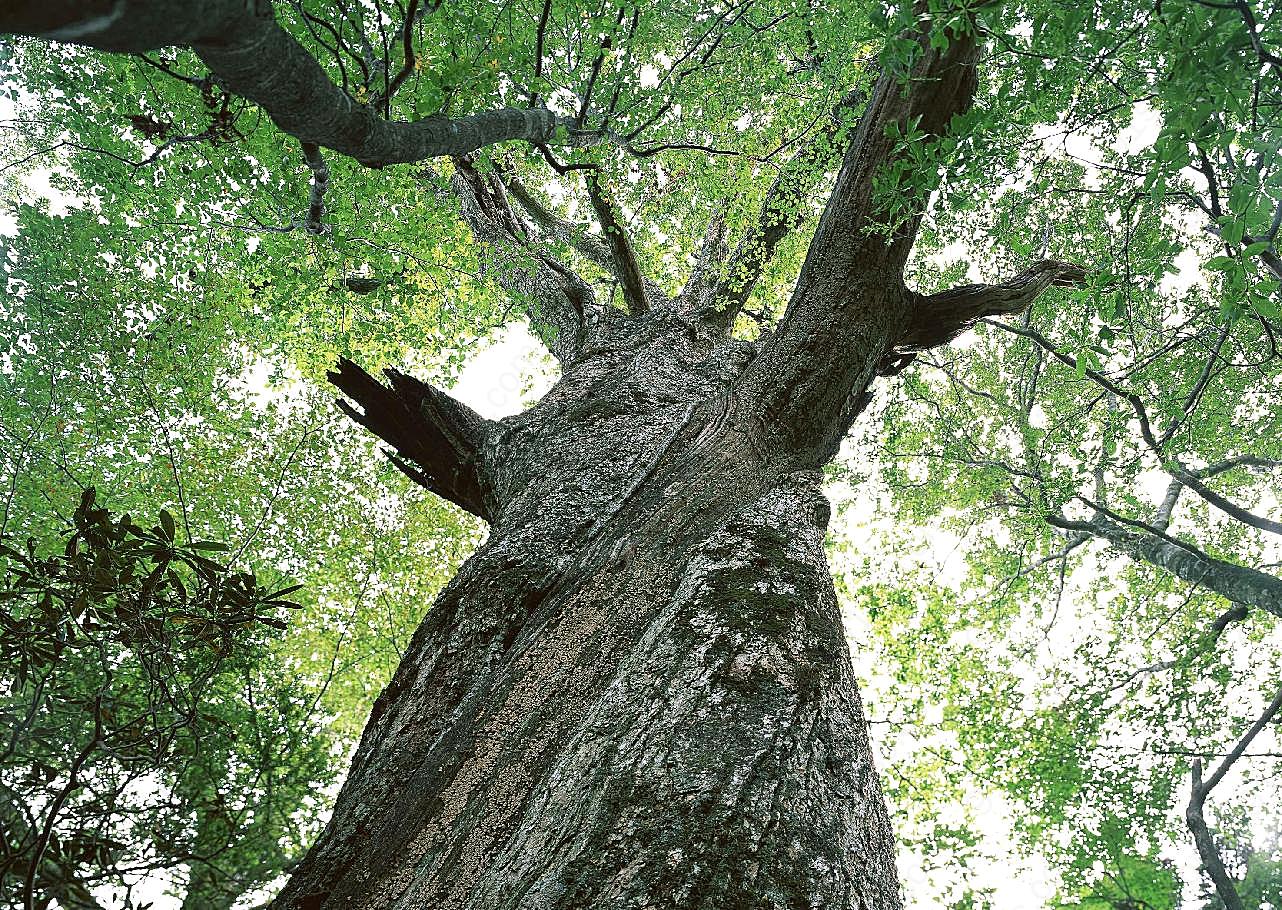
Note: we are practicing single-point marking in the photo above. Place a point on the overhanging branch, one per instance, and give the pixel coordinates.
(1235, 583)
(939, 318)
(252, 56)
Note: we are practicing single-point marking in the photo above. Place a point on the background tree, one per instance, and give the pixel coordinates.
(164, 403)
(128, 655)
(636, 688)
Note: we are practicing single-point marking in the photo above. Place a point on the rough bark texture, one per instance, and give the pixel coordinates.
(252, 56)
(637, 693)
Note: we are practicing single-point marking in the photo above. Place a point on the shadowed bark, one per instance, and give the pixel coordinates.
(252, 56)
(437, 439)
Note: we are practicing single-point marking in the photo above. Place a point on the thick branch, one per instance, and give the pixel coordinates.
(939, 318)
(783, 210)
(701, 285)
(560, 305)
(849, 307)
(1238, 584)
(252, 56)
(437, 439)
(860, 230)
(626, 267)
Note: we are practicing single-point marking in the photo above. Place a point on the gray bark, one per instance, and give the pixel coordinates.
(1237, 584)
(637, 693)
(250, 55)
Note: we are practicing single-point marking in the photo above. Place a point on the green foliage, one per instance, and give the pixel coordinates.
(129, 655)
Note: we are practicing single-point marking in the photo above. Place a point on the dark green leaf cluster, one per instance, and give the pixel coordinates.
(128, 658)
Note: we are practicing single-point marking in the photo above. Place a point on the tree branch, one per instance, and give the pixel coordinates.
(560, 305)
(626, 267)
(1171, 464)
(849, 307)
(1235, 583)
(699, 290)
(939, 318)
(782, 211)
(251, 55)
(590, 246)
(1196, 819)
(437, 440)
(315, 222)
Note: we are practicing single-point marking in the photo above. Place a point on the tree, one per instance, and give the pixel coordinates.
(637, 691)
(152, 404)
(127, 655)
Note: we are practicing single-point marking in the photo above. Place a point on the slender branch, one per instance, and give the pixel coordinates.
(560, 305)
(590, 246)
(60, 798)
(540, 38)
(1270, 711)
(626, 266)
(1195, 816)
(315, 223)
(407, 50)
(1199, 388)
(1252, 30)
(782, 211)
(1172, 464)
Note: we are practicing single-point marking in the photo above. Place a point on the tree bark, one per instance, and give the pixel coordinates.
(637, 693)
(252, 56)
(1237, 584)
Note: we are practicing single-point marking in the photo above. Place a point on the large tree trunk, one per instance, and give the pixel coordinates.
(637, 693)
